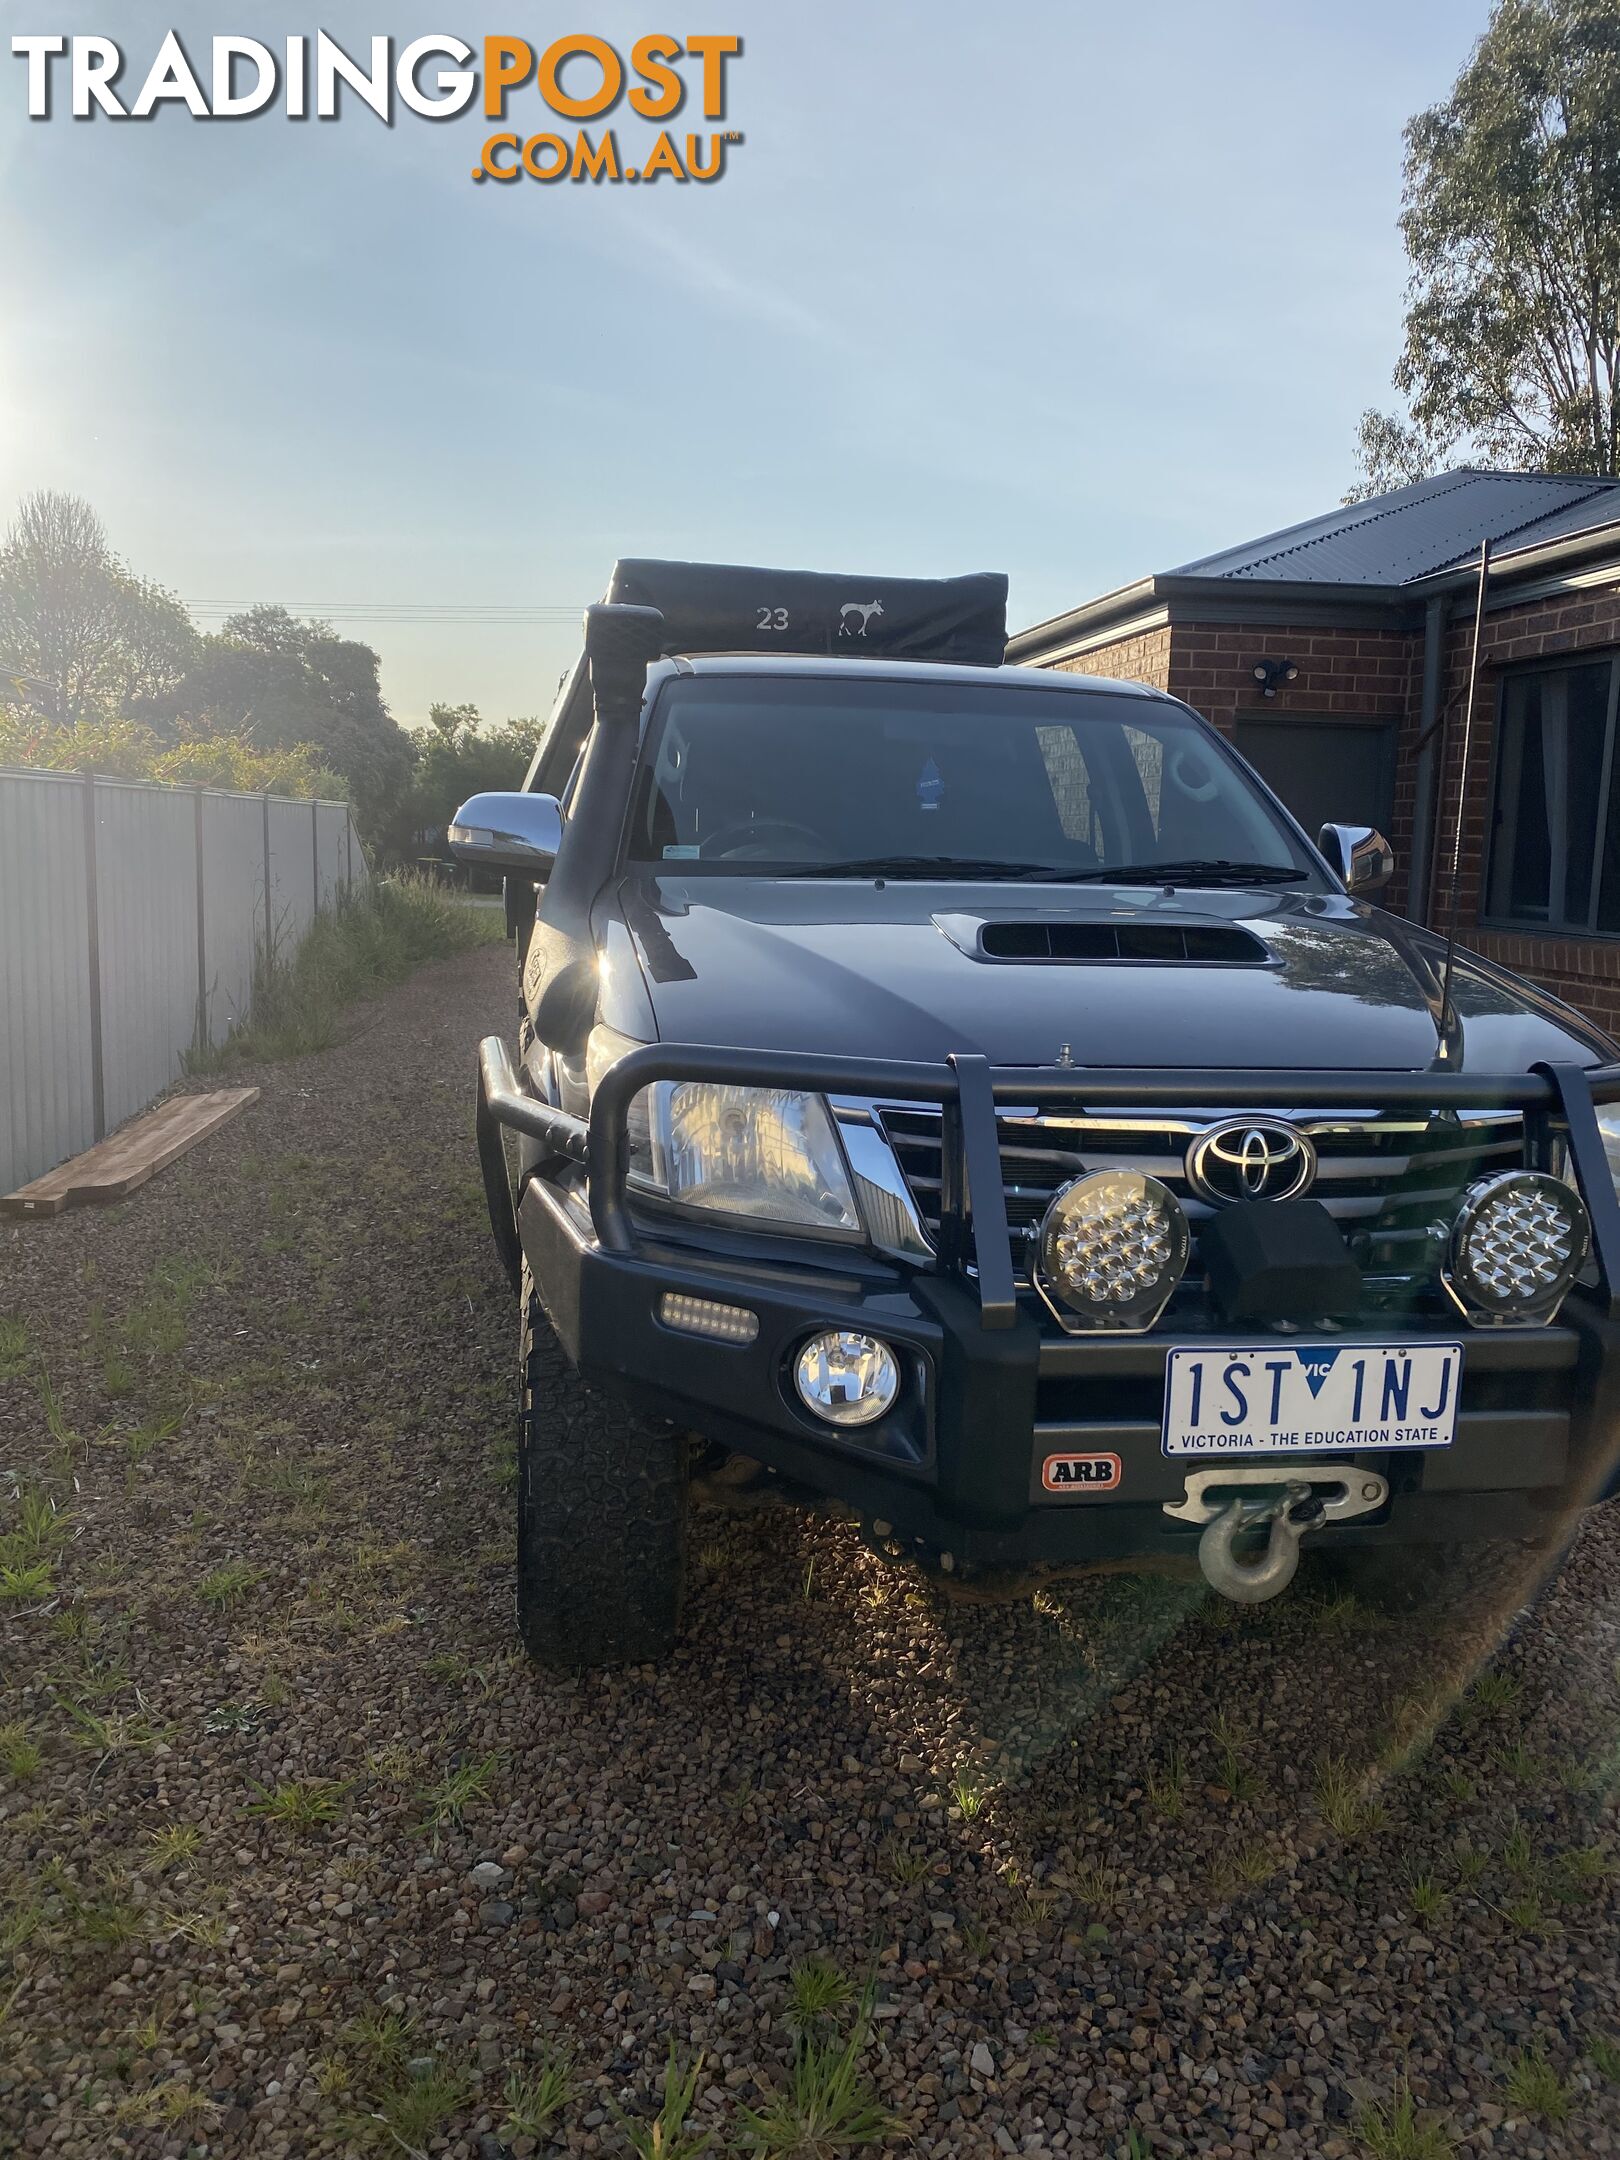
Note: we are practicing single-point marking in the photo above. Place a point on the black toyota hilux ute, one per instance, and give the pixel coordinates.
(963, 1095)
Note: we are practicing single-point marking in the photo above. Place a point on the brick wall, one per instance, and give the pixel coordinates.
(1135, 659)
(1379, 674)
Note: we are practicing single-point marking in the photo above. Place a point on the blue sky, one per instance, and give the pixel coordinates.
(1073, 291)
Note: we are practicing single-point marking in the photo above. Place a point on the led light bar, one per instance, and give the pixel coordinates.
(706, 1317)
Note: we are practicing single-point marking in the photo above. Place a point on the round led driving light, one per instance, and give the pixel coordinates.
(1517, 1245)
(847, 1378)
(1113, 1246)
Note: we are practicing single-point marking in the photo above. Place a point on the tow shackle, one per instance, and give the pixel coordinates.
(1251, 1582)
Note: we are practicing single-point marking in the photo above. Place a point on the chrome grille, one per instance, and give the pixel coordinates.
(1385, 1177)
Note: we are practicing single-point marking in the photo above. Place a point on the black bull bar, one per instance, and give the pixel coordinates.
(967, 1088)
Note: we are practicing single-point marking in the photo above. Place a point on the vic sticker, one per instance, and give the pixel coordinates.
(1081, 1473)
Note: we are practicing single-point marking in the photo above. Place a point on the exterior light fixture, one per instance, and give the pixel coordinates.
(1269, 674)
(1519, 1241)
(1113, 1246)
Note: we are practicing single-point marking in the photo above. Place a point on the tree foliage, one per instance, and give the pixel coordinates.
(283, 682)
(80, 636)
(1511, 221)
(126, 749)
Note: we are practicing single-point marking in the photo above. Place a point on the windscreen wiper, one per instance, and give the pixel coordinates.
(912, 866)
(1193, 871)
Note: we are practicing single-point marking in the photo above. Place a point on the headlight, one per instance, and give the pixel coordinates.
(1517, 1245)
(763, 1153)
(766, 1155)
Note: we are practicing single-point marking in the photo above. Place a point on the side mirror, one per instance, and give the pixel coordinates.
(517, 833)
(1360, 854)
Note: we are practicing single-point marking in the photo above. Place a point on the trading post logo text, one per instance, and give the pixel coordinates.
(574, 78)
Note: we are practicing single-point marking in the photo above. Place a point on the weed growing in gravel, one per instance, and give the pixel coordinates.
(446, 1802)
(968, 1794)
(904, 1862)
(1397, 2132)
(1239, 1780)
(1496, 1691)
(1427, 1896)
(1346, 1808)
(29, 1547)
(109, 1923)
(534, 2097)
(1519, 1852)
(13, 1349)
(301, 1803)
(817, 1991)
(1519, 1763)
(204, 1926)
(1533, 2087)
(173, 1845)
(19, 1751)
(1458, 1786)
(1604, 2056)
(1167, 1788)
(228, 1584)
(410, 2112)
(827, 2105)
(669, 2135)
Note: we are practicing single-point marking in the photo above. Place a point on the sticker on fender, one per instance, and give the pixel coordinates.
(1293, 1398)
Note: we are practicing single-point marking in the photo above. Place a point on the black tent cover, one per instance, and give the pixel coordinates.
(724, 607)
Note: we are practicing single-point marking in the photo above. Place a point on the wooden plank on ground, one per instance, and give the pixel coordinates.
(114, 1167)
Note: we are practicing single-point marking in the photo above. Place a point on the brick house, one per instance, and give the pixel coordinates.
(1335, 655)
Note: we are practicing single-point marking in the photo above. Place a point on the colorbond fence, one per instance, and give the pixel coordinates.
(131, 917)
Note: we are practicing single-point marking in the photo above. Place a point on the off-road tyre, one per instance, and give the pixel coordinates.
(601, 1515)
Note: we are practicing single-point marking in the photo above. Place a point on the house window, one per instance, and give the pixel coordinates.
(1555, 846)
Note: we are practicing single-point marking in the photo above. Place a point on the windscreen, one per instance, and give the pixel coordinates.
(752, 773)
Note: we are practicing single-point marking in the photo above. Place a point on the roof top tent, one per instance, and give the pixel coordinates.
(727, 607)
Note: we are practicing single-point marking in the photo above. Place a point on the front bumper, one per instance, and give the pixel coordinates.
(990, 1393)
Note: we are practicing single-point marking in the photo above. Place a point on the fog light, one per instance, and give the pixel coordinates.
(702, 1316)
(1517, 1245)
(846, 1378)
(1113, 1246)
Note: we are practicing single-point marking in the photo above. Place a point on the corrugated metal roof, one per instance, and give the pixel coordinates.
(1434, 525)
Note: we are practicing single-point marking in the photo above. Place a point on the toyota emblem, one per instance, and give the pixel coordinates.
(1250, 1159)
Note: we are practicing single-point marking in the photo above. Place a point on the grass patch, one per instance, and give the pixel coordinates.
(827, 2104)
(535, 2097)
(1533, 2087)
(13, 1349)
(380, 937)
(1398, 2133)
(227, 1585)
(817, 1991)
(669, 2135)
(445, 1803)
(19, 1751)
(301, 1803)
(1343, 1801)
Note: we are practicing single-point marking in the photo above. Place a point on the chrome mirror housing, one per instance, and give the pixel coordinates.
(517, 833)
(1360, 854)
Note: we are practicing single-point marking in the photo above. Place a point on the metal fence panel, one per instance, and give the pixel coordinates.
(292, 872)
(233, 906)
(47, 1104)
(146, 890)
(108, 953)
(332, 852)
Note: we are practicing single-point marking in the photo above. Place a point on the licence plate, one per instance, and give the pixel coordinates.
(1299, 1398)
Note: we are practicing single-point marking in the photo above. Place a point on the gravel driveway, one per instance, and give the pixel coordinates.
(284, 1820)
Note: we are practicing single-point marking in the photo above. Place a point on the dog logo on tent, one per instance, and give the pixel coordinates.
(865, 609)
